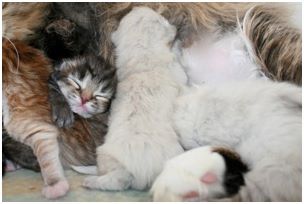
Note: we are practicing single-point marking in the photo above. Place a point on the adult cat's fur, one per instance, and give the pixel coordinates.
(20, 21)
(27, 118)
(140, 137)
(193, 20)
(261, 121)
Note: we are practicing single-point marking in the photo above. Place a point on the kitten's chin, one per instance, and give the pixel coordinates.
(81, 112)
(84, 114)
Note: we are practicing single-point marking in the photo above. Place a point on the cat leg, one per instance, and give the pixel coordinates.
(42, 137)
(114, 176)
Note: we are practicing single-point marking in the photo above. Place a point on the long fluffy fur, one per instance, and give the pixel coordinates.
(271, 47)
(273, 39)
(20, 21)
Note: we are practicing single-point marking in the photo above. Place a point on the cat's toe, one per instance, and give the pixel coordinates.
(108, 182)
(57, 190)
(90, 182)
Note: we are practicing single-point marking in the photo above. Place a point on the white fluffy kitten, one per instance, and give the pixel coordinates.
(261, 121)
(141, 136)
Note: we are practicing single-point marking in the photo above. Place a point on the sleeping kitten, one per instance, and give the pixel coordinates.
(261, 121)
(27, 114)
(140, 137)
(83, 85)
(61, 37)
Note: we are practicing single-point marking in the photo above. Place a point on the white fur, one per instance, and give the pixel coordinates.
(183, 174)
(261, 121)
(85, 169)
(218, 59)
(140, 137)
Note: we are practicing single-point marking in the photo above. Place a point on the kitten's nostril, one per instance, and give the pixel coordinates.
(84, 99)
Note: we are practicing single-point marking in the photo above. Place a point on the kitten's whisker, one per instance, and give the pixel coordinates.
(17, 53)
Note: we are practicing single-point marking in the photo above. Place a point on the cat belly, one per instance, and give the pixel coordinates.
(217, 61)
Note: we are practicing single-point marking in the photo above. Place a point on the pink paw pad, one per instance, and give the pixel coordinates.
(208, 178)
(57, 190)
(190, 195)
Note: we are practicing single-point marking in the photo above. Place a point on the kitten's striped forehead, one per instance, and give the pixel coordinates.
(92, 73)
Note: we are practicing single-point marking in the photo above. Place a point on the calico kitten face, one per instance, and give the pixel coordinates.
(88, 84)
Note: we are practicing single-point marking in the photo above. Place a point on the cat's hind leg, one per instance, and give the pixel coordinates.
(113, 175)
(42, 137)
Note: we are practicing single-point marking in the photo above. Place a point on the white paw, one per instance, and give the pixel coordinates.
(195, 175)
(106, 182)
(57, 190)
(90, 182)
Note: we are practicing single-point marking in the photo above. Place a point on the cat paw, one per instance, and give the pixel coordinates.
(57, 190)
(107, 182)
(195, 175)
(62, 115)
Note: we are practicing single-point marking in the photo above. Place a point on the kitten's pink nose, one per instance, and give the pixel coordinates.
(85, 98)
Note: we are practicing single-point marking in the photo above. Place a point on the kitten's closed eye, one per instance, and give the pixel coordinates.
(102, 98)
(74, 83)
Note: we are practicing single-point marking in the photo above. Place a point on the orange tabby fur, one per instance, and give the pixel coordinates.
(28, 116)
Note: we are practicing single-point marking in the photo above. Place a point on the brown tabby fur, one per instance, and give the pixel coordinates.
(277, 45)
(29, 120)
(21, 20)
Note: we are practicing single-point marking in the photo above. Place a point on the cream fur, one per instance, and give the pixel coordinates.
(261, 121)
(140, 137)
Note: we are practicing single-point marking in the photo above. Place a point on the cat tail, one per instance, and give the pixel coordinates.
(90, 170)
(269, 39)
